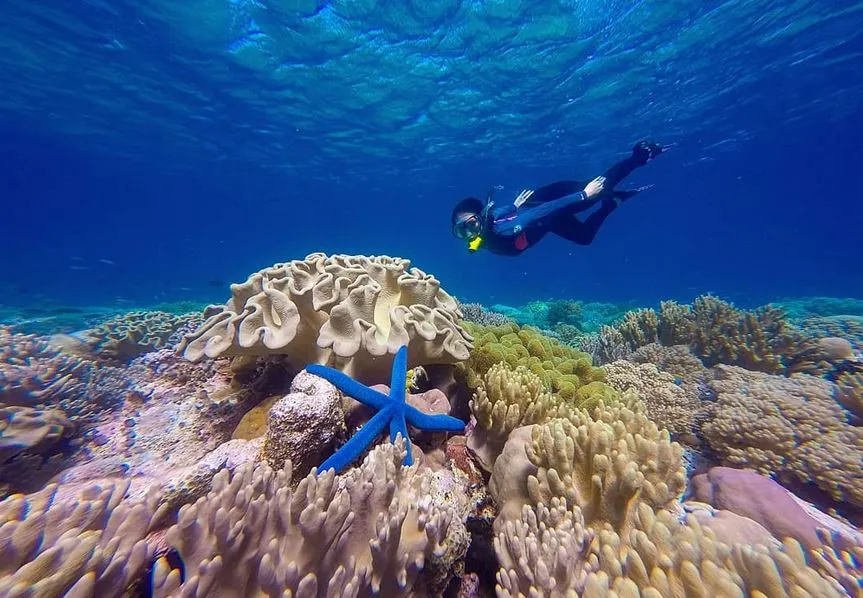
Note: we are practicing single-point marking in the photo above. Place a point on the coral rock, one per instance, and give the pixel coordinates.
(303, 426)
(759, 498)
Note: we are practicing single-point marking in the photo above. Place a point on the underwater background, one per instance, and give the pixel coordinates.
(242, 353)
(159, 151)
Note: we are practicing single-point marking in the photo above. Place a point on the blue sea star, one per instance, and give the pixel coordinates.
(392, 410)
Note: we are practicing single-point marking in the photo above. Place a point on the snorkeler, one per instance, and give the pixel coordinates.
(510, 229)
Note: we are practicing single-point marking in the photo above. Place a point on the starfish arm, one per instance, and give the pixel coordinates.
(399, 376)
(359, 442)
(349, 386)
(398, 426)
(432, 423)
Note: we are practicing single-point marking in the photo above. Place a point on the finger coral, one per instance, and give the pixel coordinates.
(91, 544)
(660, 556)
(347, 312)
(507, 399)
(370, 531)
(550, 552)
(605, 462)
(544, 553)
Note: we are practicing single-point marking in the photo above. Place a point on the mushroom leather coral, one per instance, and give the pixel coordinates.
(347, 312)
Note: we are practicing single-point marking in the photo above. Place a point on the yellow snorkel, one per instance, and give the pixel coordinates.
(474, 243)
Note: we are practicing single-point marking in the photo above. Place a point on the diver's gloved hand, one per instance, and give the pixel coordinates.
(645, 151)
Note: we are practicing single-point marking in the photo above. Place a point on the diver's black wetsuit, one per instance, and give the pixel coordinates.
(501, 237)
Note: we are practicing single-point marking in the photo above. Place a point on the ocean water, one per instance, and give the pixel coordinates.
(153, 152)
(158, 151)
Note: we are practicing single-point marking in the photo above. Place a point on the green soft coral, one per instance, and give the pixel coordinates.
(563, 370)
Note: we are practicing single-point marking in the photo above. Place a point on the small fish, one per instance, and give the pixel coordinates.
(79, 267)
(109, 262)
(185, 289)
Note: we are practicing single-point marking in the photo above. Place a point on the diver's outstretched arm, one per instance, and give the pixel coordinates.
(516, 221)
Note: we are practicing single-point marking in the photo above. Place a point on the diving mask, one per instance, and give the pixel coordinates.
(467, 229)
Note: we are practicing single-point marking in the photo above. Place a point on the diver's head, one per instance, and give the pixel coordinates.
(467, 220)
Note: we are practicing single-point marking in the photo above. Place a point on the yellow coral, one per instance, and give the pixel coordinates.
(661, 557)
(604, 462)
(562, 369)
(507, 398)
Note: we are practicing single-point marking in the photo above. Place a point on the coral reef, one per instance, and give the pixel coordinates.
(786, 427)
(663, 557)
(850, 395)
(32, 430)
(844, 326)
(92, 544)
(581, 518)
(666, 404)
(124, 337)
(36, 372)
(347, 312)
(370, 531)
(604, 463)
(153, 471)
(562, 369)
(716, 331)
(565, 312)
(478, 314)
(677, 360)
(507, 399)
(548, 315)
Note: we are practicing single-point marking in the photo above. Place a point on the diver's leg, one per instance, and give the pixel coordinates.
(569, 227)
(642, 153)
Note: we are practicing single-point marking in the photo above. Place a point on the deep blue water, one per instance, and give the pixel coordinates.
(191, 143)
